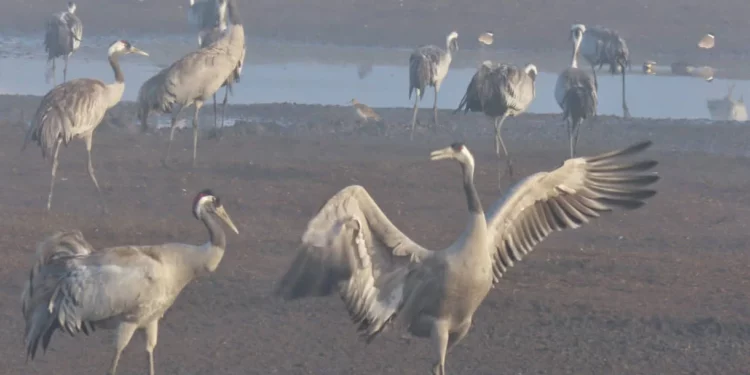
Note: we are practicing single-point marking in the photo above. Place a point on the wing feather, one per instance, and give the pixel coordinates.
(351, 247)
(565, 198)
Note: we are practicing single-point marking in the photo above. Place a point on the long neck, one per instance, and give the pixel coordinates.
(472, 197)
(234, 14)
(576, 46)
(217, 243)
(115, 63)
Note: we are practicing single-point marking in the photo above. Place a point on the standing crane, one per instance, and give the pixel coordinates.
(62, 37)
(195, 77)
(499, 91)
(75, 109)
(74, 288)
(604, 46)
(206, 37)
(575, 91)
(351, 247)
(428, 66)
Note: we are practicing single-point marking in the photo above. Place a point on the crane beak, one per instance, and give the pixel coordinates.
(137, 51)
(444, 153)
(220, 212)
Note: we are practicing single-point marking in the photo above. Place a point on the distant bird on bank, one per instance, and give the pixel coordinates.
(75, 109)
(499, 91)
(604, 46)
(62, 37)
(575, 91)
(707, 42)
(364, 112)
(428, 66)
(74, 288)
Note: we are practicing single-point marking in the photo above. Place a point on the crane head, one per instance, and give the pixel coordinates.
(531, 70)
(123, 47)
(457, 151)
(71, 7)
(452, 41)
(576, 31)
(206, 202)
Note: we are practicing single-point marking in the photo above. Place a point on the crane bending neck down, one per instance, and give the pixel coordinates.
(576, 35)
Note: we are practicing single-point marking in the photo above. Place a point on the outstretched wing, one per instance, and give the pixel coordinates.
(352, 247)
(565, 198)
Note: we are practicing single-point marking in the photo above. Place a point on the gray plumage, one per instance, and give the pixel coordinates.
(498, 91)
(203, 14)
(428, 66)
(63, 35)
(602, 46)
(74, 288)
(75, 109)
(195, 77)
(147, 100)
(576, 92)
(208, 37)
(351, 247)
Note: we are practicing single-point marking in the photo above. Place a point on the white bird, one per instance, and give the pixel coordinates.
(351, 247)
(499, 91)
(575, 91)
(62, 37)
(604, 46)
(74, 288)
(75, 109)
(428, 66)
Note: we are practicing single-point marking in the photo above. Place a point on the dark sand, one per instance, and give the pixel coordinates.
(660, 290)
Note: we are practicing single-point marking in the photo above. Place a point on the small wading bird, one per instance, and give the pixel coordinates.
(195, 77)
(351, 247)
(499, 91)
(75, 109)
(74, 288)
(575, 92)
(604, 46)
(428, 66)
(209, 36)
(365, 113)
(63, 35)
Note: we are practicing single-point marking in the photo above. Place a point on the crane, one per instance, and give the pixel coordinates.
(605, 46)
(195, 77)
(351, 247)
(74, 288)
(63, 35)
(500, 90)
(75, 109)
(576, 91)
(428, 66)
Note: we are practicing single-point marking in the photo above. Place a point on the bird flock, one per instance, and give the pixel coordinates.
(350, 247)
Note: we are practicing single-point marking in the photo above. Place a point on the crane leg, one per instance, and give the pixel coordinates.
(54, 78)
(172, 126)
(54, 170)
(152, 333)
(499, 143)
(122, 338)
(625, 110)
(65, 68)
(414, 115)
(440, 336)
(88, 140)
(216, 123)
(434, 106)
(456, 336)
(224, 105)
(596, 82)
(198, 104)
